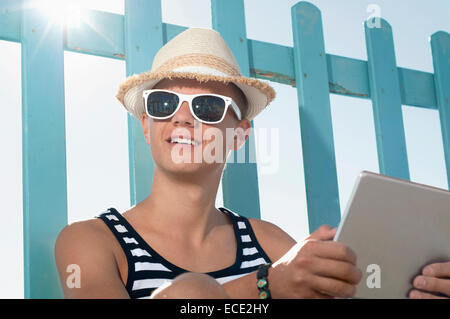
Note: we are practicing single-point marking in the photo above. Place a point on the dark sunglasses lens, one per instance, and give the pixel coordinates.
(161, 104)
(208, 108)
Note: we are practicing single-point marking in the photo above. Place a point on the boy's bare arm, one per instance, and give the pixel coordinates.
(275, 243)
(82, 244)
(314, 268)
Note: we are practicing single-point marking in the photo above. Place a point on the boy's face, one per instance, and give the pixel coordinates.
(214, 144)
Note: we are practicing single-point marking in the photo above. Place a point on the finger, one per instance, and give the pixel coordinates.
(332, 233)
(437, 270)
(330, 250)
(336, 269)
(320, 295)
(314, 294)
(333, 287)
(416, 294)
(432, 284)
(324, 232)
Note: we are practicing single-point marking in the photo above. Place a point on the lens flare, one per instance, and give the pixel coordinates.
(64, 12)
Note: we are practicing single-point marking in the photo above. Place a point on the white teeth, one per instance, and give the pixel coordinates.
(182, 141)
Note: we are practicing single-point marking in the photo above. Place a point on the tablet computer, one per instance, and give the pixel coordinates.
(395, 227)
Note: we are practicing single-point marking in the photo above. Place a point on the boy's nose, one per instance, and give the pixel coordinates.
(183, 115)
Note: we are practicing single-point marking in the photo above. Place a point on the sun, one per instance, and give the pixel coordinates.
(64, 12)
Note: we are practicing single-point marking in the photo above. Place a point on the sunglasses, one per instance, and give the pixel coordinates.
(205, 108)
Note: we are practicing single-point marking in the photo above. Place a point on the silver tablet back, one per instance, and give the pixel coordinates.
(395, 227)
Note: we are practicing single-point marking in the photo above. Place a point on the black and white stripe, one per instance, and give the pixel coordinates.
(147, 270)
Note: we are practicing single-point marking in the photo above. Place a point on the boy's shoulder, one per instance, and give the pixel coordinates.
(86, 234)
(274, 240)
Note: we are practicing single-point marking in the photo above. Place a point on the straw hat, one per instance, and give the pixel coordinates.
(200, 54)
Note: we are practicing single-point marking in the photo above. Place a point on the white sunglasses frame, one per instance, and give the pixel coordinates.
(188, 98)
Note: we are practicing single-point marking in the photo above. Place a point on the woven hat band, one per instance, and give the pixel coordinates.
(206, 60)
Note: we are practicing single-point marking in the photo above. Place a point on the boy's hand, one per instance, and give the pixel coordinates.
(433, 283)
(316, 268)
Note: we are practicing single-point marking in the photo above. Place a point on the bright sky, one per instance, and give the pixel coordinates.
(96, 127)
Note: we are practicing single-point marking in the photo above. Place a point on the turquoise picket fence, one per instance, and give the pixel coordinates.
(137, 35)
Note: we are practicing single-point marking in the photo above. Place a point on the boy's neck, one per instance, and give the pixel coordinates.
(186, 206)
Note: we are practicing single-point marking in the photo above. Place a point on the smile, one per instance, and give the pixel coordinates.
(183, 140)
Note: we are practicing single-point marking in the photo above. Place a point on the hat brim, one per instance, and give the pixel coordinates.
(258, 93)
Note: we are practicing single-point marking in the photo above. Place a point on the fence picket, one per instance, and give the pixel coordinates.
(440, 47)
(386, 100)
(319, 160)
(239, 180)
(143, 38)
(43, 151)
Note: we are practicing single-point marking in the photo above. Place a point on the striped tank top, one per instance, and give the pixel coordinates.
(147, 270)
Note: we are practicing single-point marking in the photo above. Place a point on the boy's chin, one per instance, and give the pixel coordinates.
(191, 168)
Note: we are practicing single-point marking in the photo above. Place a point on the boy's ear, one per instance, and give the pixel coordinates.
(241, 134)
(145, 127)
